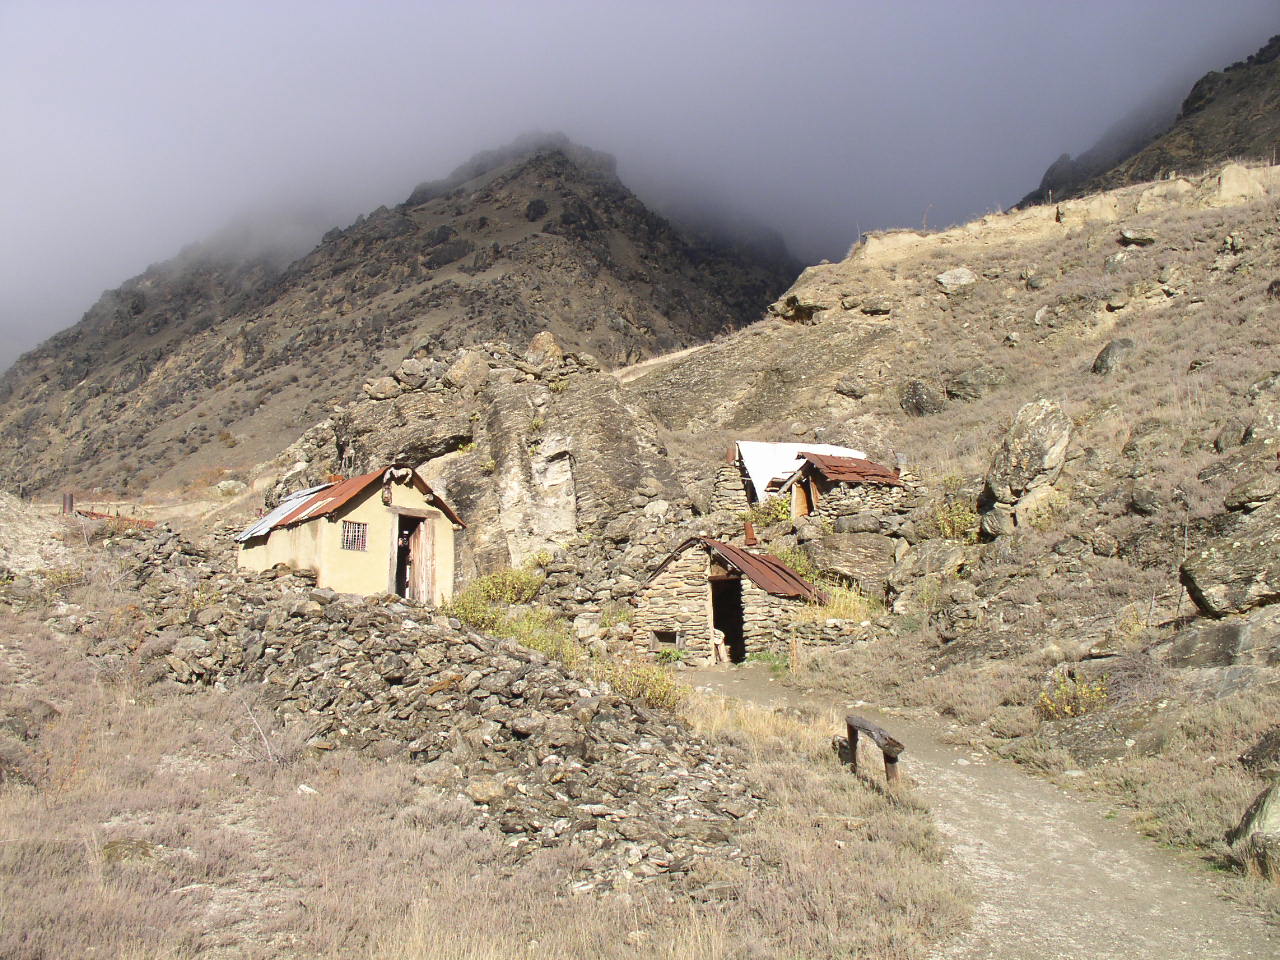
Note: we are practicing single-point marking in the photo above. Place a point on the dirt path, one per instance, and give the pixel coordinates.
(1054, 879)
(636, 370)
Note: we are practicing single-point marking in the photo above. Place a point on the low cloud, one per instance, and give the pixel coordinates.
(139, 128)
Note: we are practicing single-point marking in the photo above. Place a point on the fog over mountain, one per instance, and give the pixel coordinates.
(137, 128)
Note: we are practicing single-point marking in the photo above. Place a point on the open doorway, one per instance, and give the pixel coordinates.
(726, 615)
(413, 559)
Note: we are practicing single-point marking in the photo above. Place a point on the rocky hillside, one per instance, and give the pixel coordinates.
(1089, 393)
(218, 359)
(1233, 114)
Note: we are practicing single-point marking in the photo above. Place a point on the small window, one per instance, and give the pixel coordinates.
(355, 536)
(665, 639)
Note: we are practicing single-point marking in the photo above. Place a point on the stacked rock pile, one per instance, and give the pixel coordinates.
(546, 757)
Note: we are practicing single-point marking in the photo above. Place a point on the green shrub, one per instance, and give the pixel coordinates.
(767, 512)
(776, 662)
(800, 562)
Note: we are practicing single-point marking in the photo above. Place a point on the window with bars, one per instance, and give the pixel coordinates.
(355, 536)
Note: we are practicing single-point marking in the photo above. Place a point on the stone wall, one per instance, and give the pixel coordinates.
(487, 719)
(847, 499)
(729, 492)
(767, 621)
(678, 599)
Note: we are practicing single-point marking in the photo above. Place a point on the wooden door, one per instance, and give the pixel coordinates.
(421, 569)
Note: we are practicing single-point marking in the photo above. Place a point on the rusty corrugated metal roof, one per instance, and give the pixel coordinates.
(325, 500)
(851, 470)
(764, 570)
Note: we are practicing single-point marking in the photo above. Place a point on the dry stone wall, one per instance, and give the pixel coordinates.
(545, 757)
(767, 621)
(678, 599)
(845, 500)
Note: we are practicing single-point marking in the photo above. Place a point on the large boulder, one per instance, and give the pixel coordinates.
(468, 372)
(956, 280)
(1028, 459)
(544, 350)
(920, 398)
(974, 384)
(1239, 569)
(862, 559)
(383, 388)
(1247, 640)
(1257, 838)
(1112, 355)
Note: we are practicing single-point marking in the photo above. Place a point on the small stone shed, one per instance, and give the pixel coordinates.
(755, 470)
(381, 532)
(828, 487)
(716, 602)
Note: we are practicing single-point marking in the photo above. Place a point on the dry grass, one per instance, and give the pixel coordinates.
(848, 871)
(154, 821)
(173, 824)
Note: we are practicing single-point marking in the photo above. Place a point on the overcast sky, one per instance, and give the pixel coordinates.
(134, 128)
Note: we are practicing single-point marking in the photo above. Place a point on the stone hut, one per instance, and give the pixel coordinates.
(381, 532)
(755, 470)
(715, 602)
(829, 487)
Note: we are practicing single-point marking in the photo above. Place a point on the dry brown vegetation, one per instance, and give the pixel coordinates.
(1095, 577)
(143, 819)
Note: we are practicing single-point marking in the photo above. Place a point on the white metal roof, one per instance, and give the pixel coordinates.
(282, 510)
(766, 462)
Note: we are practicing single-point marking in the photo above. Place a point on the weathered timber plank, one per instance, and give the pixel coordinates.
(881, 737)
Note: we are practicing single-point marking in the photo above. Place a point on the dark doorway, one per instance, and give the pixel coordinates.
(405, 538)
(726, 615)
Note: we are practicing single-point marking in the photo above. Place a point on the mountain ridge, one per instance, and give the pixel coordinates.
(203, 363)
(1231, 114)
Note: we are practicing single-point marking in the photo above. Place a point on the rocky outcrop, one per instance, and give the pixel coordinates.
(548, 758)
(1240, 569)
(1257, 838)
(1024, 466)
(1227, 115)
(860, 559)
(537, 451)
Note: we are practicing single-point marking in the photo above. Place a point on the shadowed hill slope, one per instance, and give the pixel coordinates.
(214, 360)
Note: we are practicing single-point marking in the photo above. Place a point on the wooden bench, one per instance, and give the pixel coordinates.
(889, 746)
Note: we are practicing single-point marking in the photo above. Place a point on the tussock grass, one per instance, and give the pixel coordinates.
(161, 823)
(851, 871)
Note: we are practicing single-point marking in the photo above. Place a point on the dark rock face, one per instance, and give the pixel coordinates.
(209, 361)
(1227, 115)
